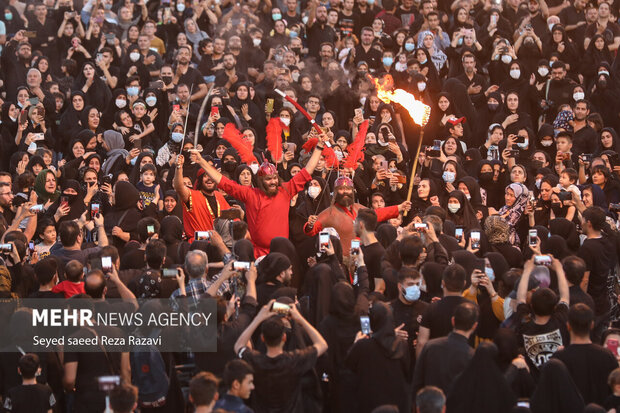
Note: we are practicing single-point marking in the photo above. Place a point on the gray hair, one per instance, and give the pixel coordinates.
(430, 399)
(196, 263)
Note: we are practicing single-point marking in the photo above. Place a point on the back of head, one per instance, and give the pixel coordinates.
(144, 225)
(465, 316)
(196, 263)
(94, 284)
(410, 249)
(272, 330)
(596, 216)
(236, 370)
(45, 270)
(454, 277)
(369, 218)
(68, 232)
(574, 269)
(430, 399)
(123, 398)
(435, 221)
(543, 301)
(155, 253)
(203, 389)
(28, 365)
(74, 270)
(580, 319)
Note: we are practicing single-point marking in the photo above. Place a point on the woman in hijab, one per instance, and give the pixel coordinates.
(74, 195)
(426, 195)
(546, 141)
(171, 232)
(593, 195)
(70, 121)
(426, 40)
(596, 53)
(462, 103)
(311, 201)
(497, 233)
(386, 235)
(556, 391)
(380, 363)
(567, 230)
(46, 187)
(248, 111)
(133, 65)
(516, 197)
(121, 221)
(600, 176)
(35, 165)
(8, 129)
(608, 141)
(516, 374)
(460, 211)
(96, 92)
(90, 118)
(443, 110)
(428, 69)
(470, 390)
(171, 205)
(117, 102)
(605, 95)
(194, 34)
(513, 117)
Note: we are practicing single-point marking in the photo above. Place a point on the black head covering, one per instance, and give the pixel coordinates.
(556, 391)
(466, 259)
(382, 325)
(567, 230)
(342, 301)
(386, 234)
(556, 245)
(171, 230)
(466, 215)
(271, 266)
(178, 209)
(125, 195)
(473, 187)
(432, 273)
(284, 246)
(7, 122)
(243, 249)
(498, 263)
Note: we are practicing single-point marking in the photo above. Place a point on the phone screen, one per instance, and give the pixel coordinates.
(94, 210)
(365, 324)
(169, 273)
(475, 239)
(532, 237)
(106, 264)
(324, 240)
(150, 229)
(458, 233)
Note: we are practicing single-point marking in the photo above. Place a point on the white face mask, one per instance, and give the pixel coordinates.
(254, 167)
(578, 96)
(180, 7)
(515, 73)
(468, 197)
(151, 100)
(314, 191)
(454, 207)
(546, 143)
(363, 100)
(285, 121)
(121, 103)
(134, 56)
(256, 42)
(506, 58)
(295, 76)
(543, 71)
(421, 86)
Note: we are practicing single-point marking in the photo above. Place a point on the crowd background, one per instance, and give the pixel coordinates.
(493, 289)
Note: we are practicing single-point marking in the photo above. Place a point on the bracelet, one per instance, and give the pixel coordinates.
(494, 295)
(320, 148)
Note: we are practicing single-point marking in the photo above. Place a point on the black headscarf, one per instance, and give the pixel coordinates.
(567, 230)
(243, 250)
(382, 325)
(307, 206)
(556, 391)
(386, 234)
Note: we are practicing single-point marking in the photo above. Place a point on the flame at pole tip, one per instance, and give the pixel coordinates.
(418, 111)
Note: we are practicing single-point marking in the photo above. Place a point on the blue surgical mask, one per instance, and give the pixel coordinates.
(412, 293)
(180, 7)
(133, 90)
(524, 144)
(387, 61)
(151, 100)
(8, 16)
(276, 16)
(488, 270)
(537, 183)
(107, 6)
(293, 34)
(370, 2)
(177, 136)
(459, 41)
(409, 47)
(448, 177)
(133, 160)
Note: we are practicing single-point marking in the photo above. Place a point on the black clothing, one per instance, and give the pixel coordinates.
(437, 317)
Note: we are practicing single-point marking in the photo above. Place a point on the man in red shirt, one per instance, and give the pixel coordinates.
(268, 205)
(201, 205)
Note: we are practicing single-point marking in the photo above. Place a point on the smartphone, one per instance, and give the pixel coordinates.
(458, 233)
(169, 273)
(513, 153)
(150, 230)
(358, 112)
(94, 210)
(385, 132)
(323, 240)
(202, 235)
(36, 208)
(108, 383)
(64, 200)
(6, 247)
(532, 237)
(586, 157)
(493, 19)
(613, 159)
(474, 236)
(519, 139)
(34, 101)
(612, 345)
(355, 246)
(280, 308)
(384, 165)
(38, 137)
(23, 116)
(106, 264)
(269, 108)
(109, 38)
(177, 107)
(137, 144)
(542, 260)
(31, 247)
(365, 324)
(215, 111)
(107, 179)
(30, 34)
(241, 265)
(157, 84)
(420, 226)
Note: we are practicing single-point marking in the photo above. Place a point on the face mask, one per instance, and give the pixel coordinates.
(543, 71)
(578, 96)
(120, 103)
(468, 197)
(537, 183)
(515, 73)
(8, 16)
(70, 197)
(151, 100)
(493, 106)
(13, 119)
(20, 104)
(134, 56)
(459, 41)
(107, 6)
(486, 176)
(229, 166)
(133, 90)
(276, 16)
(448, 177)
(523, 145)
(304, 20)
(489, 273)
(409, 47)
(285, 121)
(454, 208)
(133, 160)
(412, 293)
(166, 79)
(536, 165)
(423, 61)
(603, 72)
(506, 58)
(32, 148)
(421, 86)
(180, 7)
(288, 104)
(382, 143)
(370, 2)
(293, 34)
(314, 191)
(256, 42)
(254, 167)
(546, 143)
(177, 137)
(363, 100)
(387, 61)
(295, 76)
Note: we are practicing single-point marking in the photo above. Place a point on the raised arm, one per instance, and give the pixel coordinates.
(316, 154)
(525, 277)
(317, 339)
(177, 182)
(245, 337)
(562, 283)
(209, 169)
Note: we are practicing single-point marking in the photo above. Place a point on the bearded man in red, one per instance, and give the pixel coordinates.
(341, 215)
(267, 206)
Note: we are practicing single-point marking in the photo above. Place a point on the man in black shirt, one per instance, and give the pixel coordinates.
(363, 15)
(185, 74)
(573, 17)
(30, 396)
(589, 364)
(364, 52)
(229, 76)
(46, 272)
(364, 227)
(575, 268)
(476, 83)
(436, 321)
(277, 369)
(584, 137)
(318, 31)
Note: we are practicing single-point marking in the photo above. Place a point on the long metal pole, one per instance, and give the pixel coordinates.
(415, 165)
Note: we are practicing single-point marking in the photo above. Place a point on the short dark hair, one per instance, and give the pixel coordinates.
(543, 301)
(408, 272)
(94, 284)
(580, 319)
(143, 225)
(410, 249)
(74, 271)
(596, 216)
(155, 253)
(454, 277)
(574, 269)
(368, 217)
(45, 270)
(388, 5)
(465, 316)
(123, 398)
(236, 370)
(69, 231)
(430, 399)
(564, 134)
(28, 365)
(573, 175)
(203, 388)
(272, 330)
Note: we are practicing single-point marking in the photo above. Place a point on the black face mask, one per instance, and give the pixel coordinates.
(558, 209)
(536, 165)
(296, 50)
(486, 177)
(70, 197)
(229, 166)
(493, 106)
(167, 79)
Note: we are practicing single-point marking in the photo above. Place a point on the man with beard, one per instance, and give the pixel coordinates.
(558, 92)
(16, 58)
(584, 137)
(318, 31)
(268, 205)
(6, 202)
(185, 74)
(202, 205)
(229, 76)
(341, 215)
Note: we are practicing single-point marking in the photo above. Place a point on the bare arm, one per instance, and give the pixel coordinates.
(209, 169)
(245, 337)
(177, 182)
(68, 380)
(423, 336)
(317, 339)
(123, 291)
(202, 92)
(102, 237)
(525, 277)
(562, 283)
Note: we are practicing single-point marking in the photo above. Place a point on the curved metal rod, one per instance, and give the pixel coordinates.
(200, 113)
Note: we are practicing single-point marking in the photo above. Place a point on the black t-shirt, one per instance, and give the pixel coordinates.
(585, 140)
(577, 295)
(46, 294)
(589, 366)
(31, 398)
(611, 30)
(192, 77)
(438, 316)
(346, 24)
(410, 315)
(372, 258)
(278, 379)
(541, 341)
(600, 257)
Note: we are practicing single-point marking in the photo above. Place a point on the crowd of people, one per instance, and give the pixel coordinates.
(239, 151)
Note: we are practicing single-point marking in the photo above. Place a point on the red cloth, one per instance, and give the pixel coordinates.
(197, 217)
(341, 219)
(267, 216)
(69, 289)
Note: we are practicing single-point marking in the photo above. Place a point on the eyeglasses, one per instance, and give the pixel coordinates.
(7, 193)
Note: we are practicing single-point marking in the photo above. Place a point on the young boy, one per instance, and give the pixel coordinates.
(47, 234)
(74, 284)
(149, 192)
(613, 401)
(568, 178)
(203, 392)
(30, 396)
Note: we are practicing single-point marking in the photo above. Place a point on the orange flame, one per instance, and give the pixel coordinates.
(418, 111)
